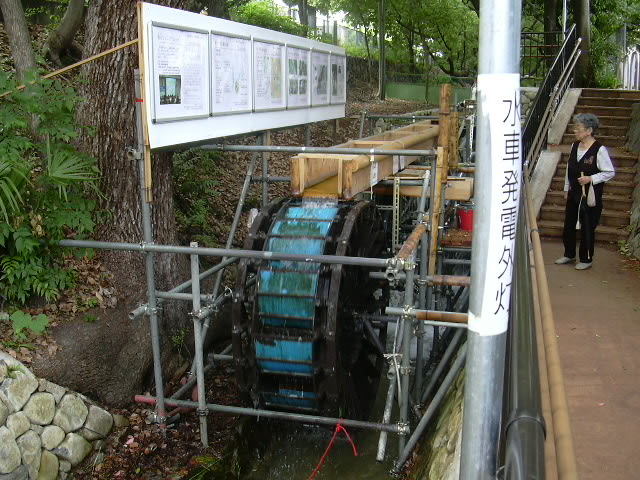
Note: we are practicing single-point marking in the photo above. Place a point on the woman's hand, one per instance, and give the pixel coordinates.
(584, 180)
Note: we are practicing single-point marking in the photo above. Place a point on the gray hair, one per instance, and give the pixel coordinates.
(589, 120)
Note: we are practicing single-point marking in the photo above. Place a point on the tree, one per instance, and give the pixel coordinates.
(113, 361)
(15, 25)
(62, 38)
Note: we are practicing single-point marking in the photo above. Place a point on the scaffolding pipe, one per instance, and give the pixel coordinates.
(295, 417)
(432, 409)
(183, 286)
(386, 416)
(149, 260)
(406, 117)
(183, 296)
(226, 252)
(452, 317)
(310, 149)
(450, 280)
(451, 348)
(197, 340)
(411, 243)
(270, 178)
(406, 354)
(422, 284)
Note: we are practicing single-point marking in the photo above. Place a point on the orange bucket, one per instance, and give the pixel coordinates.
(465, 215)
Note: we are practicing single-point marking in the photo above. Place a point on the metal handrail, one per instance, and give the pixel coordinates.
(548, 99)
(523, 420)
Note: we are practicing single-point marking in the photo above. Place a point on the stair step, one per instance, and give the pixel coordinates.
(623, 174)
(601, 92)
(613, 187)
(604, 129)
(610, 218)
(620, 158)
(608, 111)
(550, 228)
(607, 101)
(613, 202)
(608, 140)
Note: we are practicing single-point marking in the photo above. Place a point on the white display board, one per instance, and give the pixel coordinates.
(338, 78)
(231, 86)
(198, 68)
(320, 78)
(181, 81)
(268, 68)
(298, 77)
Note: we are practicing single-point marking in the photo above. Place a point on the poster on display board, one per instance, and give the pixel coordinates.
(297, 77)
(231, 85)
(320, 78)
(338, 78)
(268, 71)
(180, 73)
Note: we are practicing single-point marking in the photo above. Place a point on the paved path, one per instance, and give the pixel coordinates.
(597, 316)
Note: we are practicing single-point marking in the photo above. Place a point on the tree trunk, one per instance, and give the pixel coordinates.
(218, 8)
(584, 66)
(302, 12)
(551, 27)
(15, 25)
(61, 38)
(114, 359)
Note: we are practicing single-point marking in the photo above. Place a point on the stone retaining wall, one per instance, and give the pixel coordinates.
(45, 430)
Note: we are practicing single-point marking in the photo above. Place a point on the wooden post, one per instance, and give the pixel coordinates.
(440, 173)
(453, 140)
(143, 98)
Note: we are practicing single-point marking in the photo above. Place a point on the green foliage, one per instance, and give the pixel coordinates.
(23, 321)
(91, 318)
(45, 187)
(195, 177)
(263, 13)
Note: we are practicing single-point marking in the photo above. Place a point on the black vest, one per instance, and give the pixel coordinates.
(587, 166)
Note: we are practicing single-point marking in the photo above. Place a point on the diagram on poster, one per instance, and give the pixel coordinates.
(268, 67)
(231, 77)
(338, 79)
(180, 73)
(297, 77)
(320, 86)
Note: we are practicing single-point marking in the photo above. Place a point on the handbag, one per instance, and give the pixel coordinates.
(591, 196)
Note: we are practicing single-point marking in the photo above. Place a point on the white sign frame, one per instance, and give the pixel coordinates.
(320, 77)
(218, 70)
(276, 53)
(180, 132)
(298, 55)
(169, 111)
(338, 81)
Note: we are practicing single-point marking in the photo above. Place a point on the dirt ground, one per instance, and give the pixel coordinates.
(597, 317)
(140, 449)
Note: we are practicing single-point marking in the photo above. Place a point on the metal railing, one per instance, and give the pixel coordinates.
(548, 99)
(537, 52)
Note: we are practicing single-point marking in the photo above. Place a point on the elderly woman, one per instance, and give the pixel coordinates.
(589, 165)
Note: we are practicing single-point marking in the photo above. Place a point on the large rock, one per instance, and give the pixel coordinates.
(40, 408)
(3, 370)
(20, 473)
(15, 392)
(52, 436)
(4, 412)
(9, 452)
(73, 449)
(71, 413)
(56, 390)
(98, 425)
(18, 423)
(30, 448)
(49, 466)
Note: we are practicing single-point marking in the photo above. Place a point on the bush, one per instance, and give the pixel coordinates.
(263, 14)
(44, 186)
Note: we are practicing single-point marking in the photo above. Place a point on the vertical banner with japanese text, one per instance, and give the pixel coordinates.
(499, 95)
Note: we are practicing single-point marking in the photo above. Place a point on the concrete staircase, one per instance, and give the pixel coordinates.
(613, 107)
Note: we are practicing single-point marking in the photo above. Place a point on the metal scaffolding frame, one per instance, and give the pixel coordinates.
(409, 264)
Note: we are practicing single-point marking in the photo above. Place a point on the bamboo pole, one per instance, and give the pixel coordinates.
(566, 459)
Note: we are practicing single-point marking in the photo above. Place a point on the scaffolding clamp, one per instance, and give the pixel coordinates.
(202, 412)
(403, 428)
